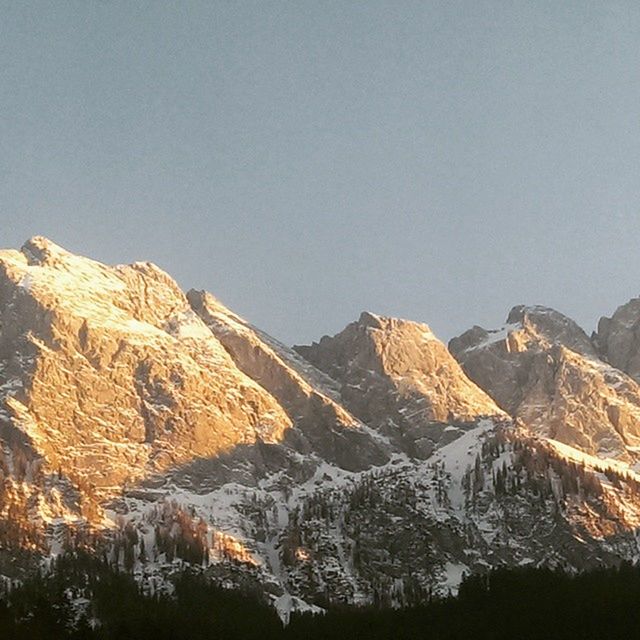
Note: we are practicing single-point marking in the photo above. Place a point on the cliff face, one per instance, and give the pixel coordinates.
(543, 369)
(396, 376)
(618, 338)
(309, 397)
(109, 374)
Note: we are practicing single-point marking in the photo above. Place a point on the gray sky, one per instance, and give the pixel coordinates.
(441, 161)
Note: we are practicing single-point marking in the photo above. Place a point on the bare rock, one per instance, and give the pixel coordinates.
(544, 370)
(107, 373)
(618, 338)
(308, 395)
(396, 376)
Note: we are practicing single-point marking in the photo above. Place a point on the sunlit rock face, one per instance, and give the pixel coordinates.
(109, 374)
(618, 338)
(544, 370)
(308, 396)
(396, 376)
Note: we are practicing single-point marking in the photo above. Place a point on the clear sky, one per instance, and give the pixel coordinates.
(440, 161)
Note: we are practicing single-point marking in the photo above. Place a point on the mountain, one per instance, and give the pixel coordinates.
(161, 431)
(307, 396)
(110, 374)
(618, 338)
(545, 371)
(396, 376)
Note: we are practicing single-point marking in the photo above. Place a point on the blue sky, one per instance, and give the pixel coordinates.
(441, 161)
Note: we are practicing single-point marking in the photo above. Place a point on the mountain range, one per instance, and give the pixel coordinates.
(377, 466)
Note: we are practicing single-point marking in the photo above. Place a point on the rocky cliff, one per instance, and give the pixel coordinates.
(618, 338)
(109, 374)
(396, 376)
(544, 370)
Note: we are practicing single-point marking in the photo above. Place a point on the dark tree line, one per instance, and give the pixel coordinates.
(84, 598)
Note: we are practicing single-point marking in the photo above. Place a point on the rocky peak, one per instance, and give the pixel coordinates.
(368, 319)
(618, 338)
(543, 369)
(552, 327)
(41, 251)
(397, 376)
(498, 360)
(113, 297)
(108, 373)
(377, 343)
(527, 328)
